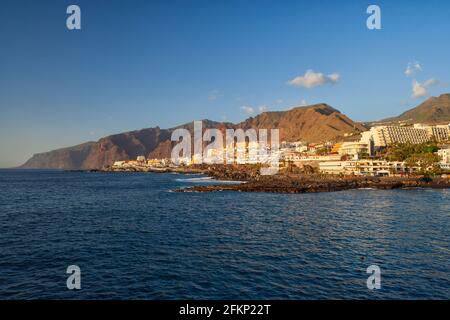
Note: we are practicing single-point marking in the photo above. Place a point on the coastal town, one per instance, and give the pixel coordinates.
(383, 150)
(224, 159)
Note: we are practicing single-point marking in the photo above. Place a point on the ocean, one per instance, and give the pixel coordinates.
(133, 238)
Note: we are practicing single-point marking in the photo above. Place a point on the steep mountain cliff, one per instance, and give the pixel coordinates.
(315, 123)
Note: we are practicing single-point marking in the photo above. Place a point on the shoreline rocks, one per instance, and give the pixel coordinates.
(289, 182)
(312, 184)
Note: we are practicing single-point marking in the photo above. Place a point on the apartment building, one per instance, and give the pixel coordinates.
(383, 136)
(444, 155)
(299, 159)
(439, 132)
(354, 149)
(363, 167)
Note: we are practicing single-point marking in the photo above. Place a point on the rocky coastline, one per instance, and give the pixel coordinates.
(180, 170)
(321, 183)
(218, 172)
(286, 182)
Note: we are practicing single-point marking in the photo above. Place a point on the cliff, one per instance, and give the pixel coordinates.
(315, 123)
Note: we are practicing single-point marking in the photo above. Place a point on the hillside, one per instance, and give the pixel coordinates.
(433, 110)
(315, 123)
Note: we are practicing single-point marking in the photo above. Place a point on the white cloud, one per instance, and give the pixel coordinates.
(334, 77)
(412, 68)
(303, 103)
(418, 90)
(421, 90)
(251, 110)
(313, 79)
(431, 82)
(214, 95)
(262, 108)
(248, 110)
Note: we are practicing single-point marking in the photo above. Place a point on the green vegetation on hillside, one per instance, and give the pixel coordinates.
(415, 155)
(403, 151)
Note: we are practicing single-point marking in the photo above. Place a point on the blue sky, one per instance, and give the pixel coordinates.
(138, 64)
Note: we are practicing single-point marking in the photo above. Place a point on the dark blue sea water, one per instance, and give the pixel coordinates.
(135, 239)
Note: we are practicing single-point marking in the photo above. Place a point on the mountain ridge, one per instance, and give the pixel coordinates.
(315, 123)
(433, 110)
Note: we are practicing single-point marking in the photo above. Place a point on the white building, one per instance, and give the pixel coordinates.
(141, 159)
(362, 167)
(439, 132)
(383, 136)
(300, 158)
(444, 155)
(354, 149)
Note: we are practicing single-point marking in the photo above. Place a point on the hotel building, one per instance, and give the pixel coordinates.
(355, 149)
(440, 132)
(363, 167)
(444, 155)
(383, 136)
